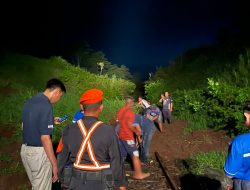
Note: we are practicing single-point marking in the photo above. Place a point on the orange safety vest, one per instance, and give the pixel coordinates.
(86, 144)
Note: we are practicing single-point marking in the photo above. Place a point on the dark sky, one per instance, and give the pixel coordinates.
(141, 34)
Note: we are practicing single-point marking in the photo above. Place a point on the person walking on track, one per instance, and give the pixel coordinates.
(126, 118)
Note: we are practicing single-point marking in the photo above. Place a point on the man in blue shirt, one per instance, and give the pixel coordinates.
(155, 115)
(38, 121)
(147, 131)
(237, 165)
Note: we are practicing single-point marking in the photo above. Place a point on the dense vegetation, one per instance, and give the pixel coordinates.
(96, 62)
(23, 76)
(207, 92)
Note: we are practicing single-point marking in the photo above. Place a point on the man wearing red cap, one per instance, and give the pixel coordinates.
(93, 148)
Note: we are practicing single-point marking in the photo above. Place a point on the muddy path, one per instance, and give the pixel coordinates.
(172, 144)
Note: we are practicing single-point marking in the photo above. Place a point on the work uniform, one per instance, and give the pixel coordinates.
(147, 131)
(67, 171)
(98, 165)
(37, 120)
(153, 112)
(237, 164)
(166, 105)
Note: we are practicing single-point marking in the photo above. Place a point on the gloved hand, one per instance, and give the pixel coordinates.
(78, 115)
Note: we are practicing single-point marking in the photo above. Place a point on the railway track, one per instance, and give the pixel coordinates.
(161, 178)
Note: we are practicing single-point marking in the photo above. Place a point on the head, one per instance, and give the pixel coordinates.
(166, 94)
(91, 102)
(153, 107)
(139, 99)
(54, 90)
(246, 112)
(129, 101)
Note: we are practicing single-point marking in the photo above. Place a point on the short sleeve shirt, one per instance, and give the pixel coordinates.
(145, 104)
(146, 124)
(167, 102)
(237, 164)
(153, 112)
(37, 119)
(126, 117)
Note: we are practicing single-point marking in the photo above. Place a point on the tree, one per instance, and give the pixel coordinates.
(101, 65)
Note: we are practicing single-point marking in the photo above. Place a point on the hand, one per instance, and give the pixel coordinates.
(56, 120)
(78, 115)
(54, 172)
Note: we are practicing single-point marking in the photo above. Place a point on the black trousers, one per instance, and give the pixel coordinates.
(98, 180)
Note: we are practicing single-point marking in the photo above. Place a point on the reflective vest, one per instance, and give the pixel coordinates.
(87, 145)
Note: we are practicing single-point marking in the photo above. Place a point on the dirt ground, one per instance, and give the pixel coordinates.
(171, 144)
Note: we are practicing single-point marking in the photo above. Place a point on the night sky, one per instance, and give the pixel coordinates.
(141, 34)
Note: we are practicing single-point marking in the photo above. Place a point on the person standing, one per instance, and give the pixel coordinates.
(93, 148)
(38, 122)
(144, 104)
(126, 118)
(237, 164)
(167, 107)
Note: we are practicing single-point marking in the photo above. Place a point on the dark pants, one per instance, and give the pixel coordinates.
(67, 175)
(239, 184)
(92, 180)
(146, 141)
(166, 115)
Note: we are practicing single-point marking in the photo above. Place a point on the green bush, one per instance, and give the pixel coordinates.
(217, 105)
(198, 163)
(24, 76)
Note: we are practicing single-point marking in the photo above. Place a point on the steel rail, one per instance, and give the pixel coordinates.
(172, 184)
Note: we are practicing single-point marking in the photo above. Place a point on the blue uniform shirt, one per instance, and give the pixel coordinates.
(146, 124)
(38, 119)
(237, 164)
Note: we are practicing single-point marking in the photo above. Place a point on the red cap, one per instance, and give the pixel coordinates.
(91, 96)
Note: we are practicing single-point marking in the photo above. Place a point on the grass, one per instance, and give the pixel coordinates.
(10, 167)
(24, 76)
(23, 187)
(197, 164)
(5, 157)
(195, 121)
(16, 167)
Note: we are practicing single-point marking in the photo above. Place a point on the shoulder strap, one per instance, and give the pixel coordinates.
(86, 144)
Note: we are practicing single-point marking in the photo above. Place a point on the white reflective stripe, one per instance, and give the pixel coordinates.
(232, 174)
(83, 130)
(86, 140)
(92, 167)
(92, 156)
(246, 155)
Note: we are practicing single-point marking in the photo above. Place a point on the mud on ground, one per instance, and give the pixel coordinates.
(172, 144)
